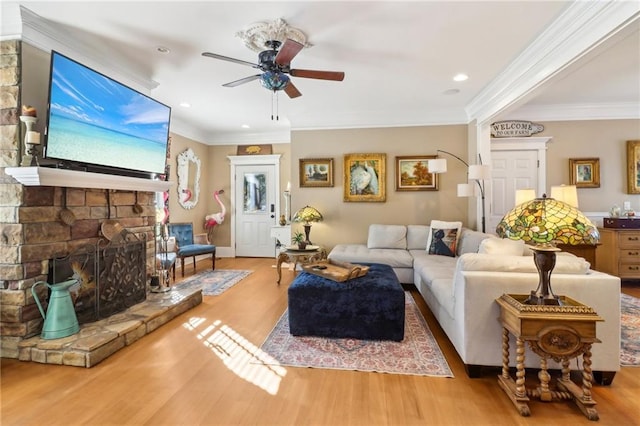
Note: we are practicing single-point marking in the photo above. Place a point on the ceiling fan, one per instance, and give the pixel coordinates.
(275, 64)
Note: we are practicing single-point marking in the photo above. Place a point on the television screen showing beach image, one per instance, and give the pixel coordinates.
(95, 120)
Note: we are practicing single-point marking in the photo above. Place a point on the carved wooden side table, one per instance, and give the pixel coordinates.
(304, 256)
(553, 332)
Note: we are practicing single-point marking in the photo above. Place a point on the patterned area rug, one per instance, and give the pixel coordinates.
(630, 335)
(418, 354)
(214, 283)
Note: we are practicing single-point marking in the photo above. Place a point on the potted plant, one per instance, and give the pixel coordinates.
(298, 238)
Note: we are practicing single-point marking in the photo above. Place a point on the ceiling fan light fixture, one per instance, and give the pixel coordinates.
(274, 80)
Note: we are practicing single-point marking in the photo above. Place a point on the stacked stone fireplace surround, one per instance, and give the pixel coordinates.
(32, 233)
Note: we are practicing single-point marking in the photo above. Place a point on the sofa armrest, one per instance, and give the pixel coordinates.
(477, 313)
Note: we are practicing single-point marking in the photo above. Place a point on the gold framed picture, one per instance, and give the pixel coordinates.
(633, 167)
(365, 177)
(316, 172)
(412, 174)
(584, 172)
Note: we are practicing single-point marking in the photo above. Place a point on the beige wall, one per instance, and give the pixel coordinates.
(603, 139)
(346, 222)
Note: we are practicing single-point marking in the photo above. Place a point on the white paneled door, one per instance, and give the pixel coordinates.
(255, 187)
(511, 170)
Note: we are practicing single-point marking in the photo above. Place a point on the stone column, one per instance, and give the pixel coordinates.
(13, 326)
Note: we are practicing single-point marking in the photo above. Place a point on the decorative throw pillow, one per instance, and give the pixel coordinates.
(502, 246)
(443, 238)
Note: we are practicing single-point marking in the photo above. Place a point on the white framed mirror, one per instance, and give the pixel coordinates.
(188, 179)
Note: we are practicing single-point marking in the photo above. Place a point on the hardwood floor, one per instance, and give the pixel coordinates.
(197, 370)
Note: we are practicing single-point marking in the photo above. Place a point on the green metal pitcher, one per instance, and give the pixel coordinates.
(60, 319)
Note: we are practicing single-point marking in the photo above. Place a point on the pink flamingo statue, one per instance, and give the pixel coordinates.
(187, 194)
(214, 219)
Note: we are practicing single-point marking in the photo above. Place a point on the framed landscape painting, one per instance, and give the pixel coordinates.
(316, 172)
(365, 177)
(633, 167)
(584, 172)
(412, 174)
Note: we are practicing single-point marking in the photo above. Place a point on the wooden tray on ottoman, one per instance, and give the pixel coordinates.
(336, 271)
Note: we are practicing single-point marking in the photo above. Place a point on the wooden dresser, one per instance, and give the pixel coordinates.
(619, 252)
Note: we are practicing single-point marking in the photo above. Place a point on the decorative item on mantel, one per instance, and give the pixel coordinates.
(31, 137)
(543, 223)
(515, 128)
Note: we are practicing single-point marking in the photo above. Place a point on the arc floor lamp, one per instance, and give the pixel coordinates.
(477, 172)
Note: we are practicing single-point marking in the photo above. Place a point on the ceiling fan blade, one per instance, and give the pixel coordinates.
(226, 58)
(288, 51)
(242, 81)
(292, 91)
(320, 75)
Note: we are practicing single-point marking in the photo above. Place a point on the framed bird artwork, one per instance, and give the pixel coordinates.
(365, 177)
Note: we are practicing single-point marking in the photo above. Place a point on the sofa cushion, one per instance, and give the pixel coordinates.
(196, 249)
(502, 246)
(470, 240)
(417, 236)
(443, 238)
(358, 253)
(387, 237)
(571, 265)
(433, 267)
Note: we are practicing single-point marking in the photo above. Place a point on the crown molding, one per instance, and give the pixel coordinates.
(47, 36)
(575, 112)
(280, 136)
(580, 28)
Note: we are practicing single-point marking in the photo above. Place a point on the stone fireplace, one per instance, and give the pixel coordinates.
(33, 233)
(38, 235)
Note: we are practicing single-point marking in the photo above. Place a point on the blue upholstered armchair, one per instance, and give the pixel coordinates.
(185, 246)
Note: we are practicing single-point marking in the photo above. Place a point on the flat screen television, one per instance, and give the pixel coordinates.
(97, 124)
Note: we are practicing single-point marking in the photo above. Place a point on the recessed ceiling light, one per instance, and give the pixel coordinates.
(163, 49)
(246, 126)
(460, 77)
(185, 104)
(451, 92)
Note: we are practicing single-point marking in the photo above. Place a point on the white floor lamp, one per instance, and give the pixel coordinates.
(477, 172)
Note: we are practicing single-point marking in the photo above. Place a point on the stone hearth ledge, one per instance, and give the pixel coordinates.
(98, 340)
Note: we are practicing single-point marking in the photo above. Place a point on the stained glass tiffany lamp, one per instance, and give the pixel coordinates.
(542, 223)
(307, 215)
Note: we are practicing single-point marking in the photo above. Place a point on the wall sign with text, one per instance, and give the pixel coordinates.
(514, 128)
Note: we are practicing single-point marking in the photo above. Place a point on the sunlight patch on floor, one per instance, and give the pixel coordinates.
(240, 356)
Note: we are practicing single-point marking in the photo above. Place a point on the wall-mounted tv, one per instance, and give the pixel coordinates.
(95, 123)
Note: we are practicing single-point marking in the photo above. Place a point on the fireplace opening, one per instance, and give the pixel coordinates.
(111, 276)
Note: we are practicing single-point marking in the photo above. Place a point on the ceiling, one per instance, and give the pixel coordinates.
(399, 59)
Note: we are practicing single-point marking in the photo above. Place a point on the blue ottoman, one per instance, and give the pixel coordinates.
(369, 307)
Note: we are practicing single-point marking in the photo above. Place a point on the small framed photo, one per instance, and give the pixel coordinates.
(316, 172)
(633, 167)
(412, 174)
(584, 172)
(365, 177)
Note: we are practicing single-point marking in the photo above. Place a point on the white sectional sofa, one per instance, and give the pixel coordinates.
(461, 290)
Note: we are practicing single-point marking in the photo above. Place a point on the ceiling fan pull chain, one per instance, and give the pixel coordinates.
(274, 100)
